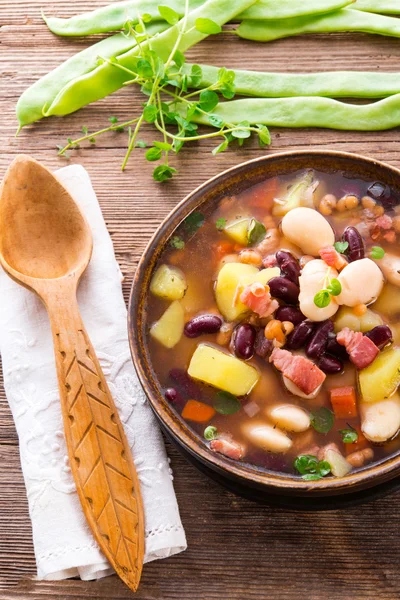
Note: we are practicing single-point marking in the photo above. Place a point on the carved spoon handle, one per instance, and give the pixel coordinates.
(100, 457)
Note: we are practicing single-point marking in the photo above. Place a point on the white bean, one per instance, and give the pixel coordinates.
(308, 229)
(311, 281)
(380, 421)
(289, 417)
(390, 265)
(362, 282)
(266, 437)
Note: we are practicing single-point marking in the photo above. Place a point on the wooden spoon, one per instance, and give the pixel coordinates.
(45, 245)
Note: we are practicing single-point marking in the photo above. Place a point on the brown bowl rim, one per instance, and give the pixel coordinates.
(379, 472)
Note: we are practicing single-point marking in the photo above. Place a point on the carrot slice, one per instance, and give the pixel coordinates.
(223, 248)
(343, 401)
(197, 411)
(360, 444)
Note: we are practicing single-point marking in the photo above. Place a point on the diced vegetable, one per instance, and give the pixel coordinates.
(388, 302)
(169, 283)
(339, 465)
(226, 292)
(380, 421)
(197, 411)
(223, 371)
(381, 379)
(297, 193)
(343, 400)
(346, 317)
(238, 231)
(168, 329)
(262, 276)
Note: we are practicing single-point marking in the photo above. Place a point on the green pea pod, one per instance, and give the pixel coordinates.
(114, 16)
(108, 78)
(33, 100)
(383, 7)
(310, 112)
(340, 21)
(335, 84)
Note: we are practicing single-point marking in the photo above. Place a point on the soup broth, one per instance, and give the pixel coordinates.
(307, 384)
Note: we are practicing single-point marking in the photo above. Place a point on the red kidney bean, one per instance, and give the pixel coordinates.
(284, 289)
(380, 335)
(289, 313)
(300, 334)
(381, 192)
(186, 383)
(317, 343)
(243, 339)
(330, 364)
(335, 349)
(289, 266)
(356, 249)
(202, 324)
(174, 397)
(262, 346)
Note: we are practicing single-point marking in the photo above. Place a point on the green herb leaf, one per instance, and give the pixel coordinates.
(113, 120)
(264, 136)
(207, 26)
(176, 241)
(168, 14)
(220, 223)
(242, 133)
(341, 247)
(334, 287)
(322, 419)
(226, 403)
(150, 113)
(196, 74)
(208, 100)
(312, 477)
(349, 436)
(146, 18)
(211, 433)
(193, 222)
(144, 68)
(153, 154)
(162, 145)
(85, 130)
(377, 252)
(322, 299)
(215, 121)
(324, 468)
(179, 58)
(163, 173)
(256, 232)
(92, 140)
(222, 147)
(140, 144)
(310, 468)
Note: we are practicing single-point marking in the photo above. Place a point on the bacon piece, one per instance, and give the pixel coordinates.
(384, 222)
(270, 261)
(228, 448)
(256, 296)
(298, 369)
(390, 236)
(361, 349)
(332, 258)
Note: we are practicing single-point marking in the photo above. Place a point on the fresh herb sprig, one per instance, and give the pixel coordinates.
(332, 287)
(310, 468)
(169, 107)
(349, 436)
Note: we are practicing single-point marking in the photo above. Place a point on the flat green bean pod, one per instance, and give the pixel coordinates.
(343, 20)
(42, 92)
(334, 84)
(310, 112)
(113, 16)
(383, 7)
(108, 78)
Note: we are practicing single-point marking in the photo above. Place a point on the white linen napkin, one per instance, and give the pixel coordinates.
(64, 546)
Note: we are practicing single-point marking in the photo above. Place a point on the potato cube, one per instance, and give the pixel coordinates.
(168, 282)
(381, 379)
(238, 231)
(168, 329)
(222, 370)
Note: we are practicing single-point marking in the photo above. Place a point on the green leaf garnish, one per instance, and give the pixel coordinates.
(226, 403)
(241, 130)
(144, 68)
(153, 154)
(215, 121)
(140, 144)
(221, 148)
(168, 14)
(207, 26)
(193, 222)
(220, 223)
(113, 120)
(341, 247)
(377, 252)
(150, 113)
(196, 74)
(264, 137)
(310, 468)
(334, 287)
(179, 58)
(322, 419)
(163, 173)
(349, 436)
(177, 242)
(211, 433)
(208, 100)
(256, 232)
(322, 299)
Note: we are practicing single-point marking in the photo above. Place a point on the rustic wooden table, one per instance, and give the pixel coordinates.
(237, 549)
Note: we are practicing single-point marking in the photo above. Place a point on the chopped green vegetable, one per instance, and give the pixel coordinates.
(341, 247)
(377, 252)
(226, 403)
(310, 468)
(322, 299)
(322, 419)
(256, 232)
(220, 223)
(349, 436)
(177, 242)
(211, 433)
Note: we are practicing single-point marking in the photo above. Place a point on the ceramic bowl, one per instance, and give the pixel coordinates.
(244, 479)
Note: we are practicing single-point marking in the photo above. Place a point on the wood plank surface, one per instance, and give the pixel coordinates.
(237, 549)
